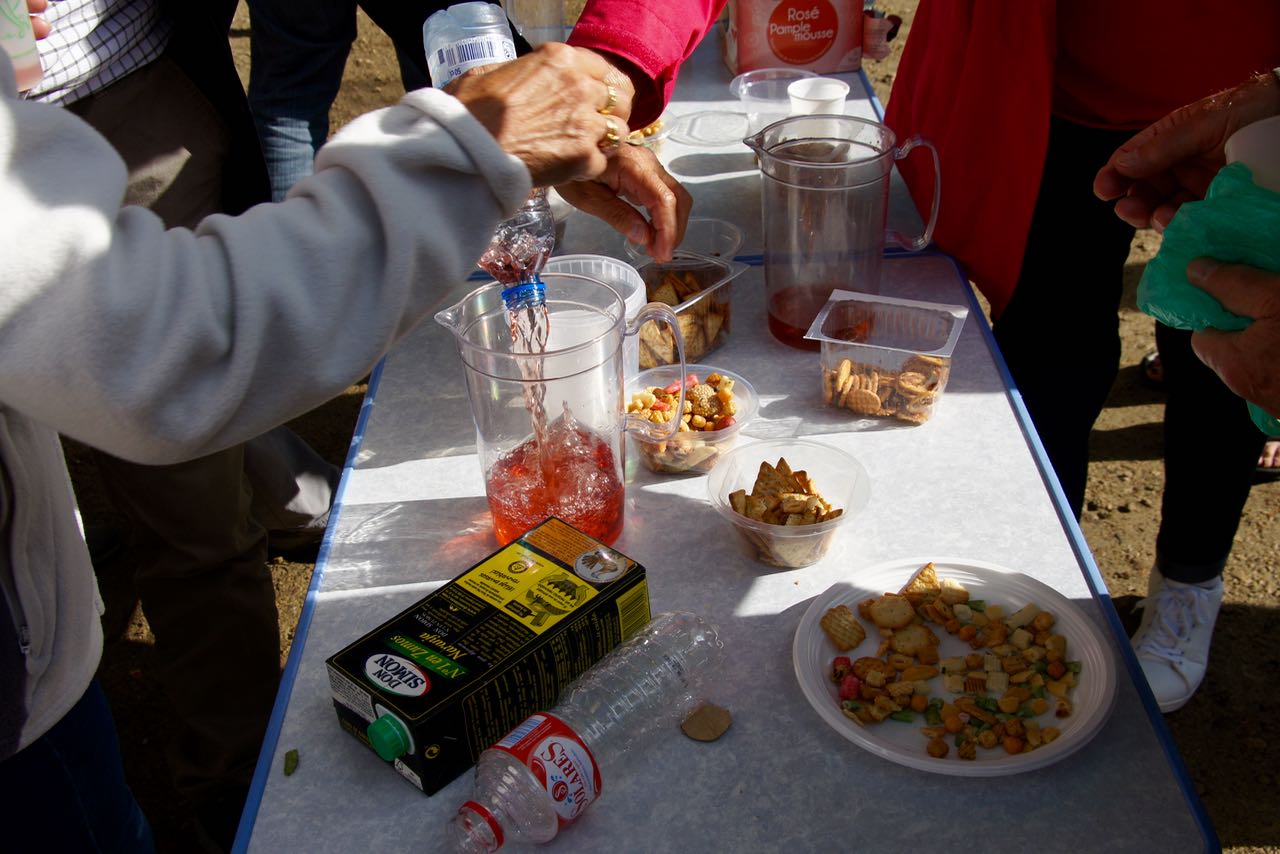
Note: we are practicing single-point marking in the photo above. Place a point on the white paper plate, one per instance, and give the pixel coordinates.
(1093, 697)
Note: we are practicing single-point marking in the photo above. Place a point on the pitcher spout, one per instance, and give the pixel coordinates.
(451, 318)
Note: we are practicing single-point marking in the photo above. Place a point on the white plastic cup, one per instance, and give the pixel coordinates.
(1258, 147)
(20, 43)
(817, 95)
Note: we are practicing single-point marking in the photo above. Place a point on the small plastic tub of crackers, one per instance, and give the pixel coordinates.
(884, 357)
(717, 404)
(698, 288)
(788, 498)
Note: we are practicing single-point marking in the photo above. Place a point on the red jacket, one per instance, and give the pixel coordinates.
(654, 36)
(980, 79)
(976, 79)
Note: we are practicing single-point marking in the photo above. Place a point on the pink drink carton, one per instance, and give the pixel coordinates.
(822, 36)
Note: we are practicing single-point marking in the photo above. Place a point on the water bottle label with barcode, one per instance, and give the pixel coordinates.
(473, 52)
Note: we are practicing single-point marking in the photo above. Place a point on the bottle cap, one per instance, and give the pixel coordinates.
(525, 294)
(388, 737)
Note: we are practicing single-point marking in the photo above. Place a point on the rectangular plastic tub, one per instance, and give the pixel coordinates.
(884, 357)
(699, 290)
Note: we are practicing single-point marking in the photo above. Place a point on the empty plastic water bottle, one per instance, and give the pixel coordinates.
(519, 250)
(542, 776)
(457, 39)
(465, 36)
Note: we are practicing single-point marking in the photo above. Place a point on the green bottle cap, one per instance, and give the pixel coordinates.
(388, 737)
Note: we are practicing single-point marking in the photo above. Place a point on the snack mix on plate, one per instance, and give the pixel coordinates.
(908, 394)
(709, 406)
(1016, 669)
(703, 324)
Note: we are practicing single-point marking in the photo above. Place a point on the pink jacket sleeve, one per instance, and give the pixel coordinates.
(652, 37)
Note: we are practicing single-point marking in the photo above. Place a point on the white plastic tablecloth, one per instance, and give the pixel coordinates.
(969, 483)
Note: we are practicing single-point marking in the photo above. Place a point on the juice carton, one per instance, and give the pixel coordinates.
(822, 36)
(437, 684)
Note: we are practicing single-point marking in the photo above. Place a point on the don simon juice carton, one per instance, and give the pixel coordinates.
(437, 684)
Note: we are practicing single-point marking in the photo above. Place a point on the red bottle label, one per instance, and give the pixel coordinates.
(559, 760)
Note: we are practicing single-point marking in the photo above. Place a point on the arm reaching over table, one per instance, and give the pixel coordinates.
(157, 339)
(1173, 160)
(161, 345)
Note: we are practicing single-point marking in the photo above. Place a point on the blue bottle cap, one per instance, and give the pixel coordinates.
(525, 294)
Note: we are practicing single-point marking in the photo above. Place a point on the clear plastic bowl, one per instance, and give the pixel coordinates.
(837, 476)
(705, 235)
(763, 93)
(696, 450)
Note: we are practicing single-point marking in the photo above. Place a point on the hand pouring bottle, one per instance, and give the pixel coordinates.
(457, 39)
(542, 776)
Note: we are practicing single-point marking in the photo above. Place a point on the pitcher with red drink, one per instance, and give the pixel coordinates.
(824, 204)
(551, 424)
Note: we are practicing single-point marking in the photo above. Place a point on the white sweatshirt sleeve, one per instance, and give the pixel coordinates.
(160, 345)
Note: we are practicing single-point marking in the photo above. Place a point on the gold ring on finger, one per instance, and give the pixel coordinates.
(611, 139)
(611, 102)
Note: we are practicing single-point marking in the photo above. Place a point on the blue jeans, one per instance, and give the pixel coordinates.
(66, 791)
(297, 55)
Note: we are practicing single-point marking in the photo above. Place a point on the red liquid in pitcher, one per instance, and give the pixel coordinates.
(572, 475)
(791, 306)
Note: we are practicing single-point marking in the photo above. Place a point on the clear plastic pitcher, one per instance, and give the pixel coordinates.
(824, 203)
(566, 461)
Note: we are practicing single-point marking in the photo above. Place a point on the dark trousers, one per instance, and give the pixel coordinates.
(1060, 337)
(197, 552)
(66, 790)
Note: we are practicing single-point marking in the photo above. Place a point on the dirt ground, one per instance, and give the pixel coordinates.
(1224, 734)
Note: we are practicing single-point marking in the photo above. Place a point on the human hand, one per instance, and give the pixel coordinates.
(546, 109)
(39, 26)
(635, 175)
(1174, 160)
(1248, 361)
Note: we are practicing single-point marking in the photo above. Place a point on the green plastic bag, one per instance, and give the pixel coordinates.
(1238, 223)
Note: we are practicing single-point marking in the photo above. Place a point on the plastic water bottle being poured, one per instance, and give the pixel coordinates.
(518, 251)
(457, 39)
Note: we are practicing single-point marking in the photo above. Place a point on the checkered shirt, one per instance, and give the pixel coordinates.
(93, 43)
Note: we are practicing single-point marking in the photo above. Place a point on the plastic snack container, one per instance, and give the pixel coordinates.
(837, 476)
(697, 450)
(699, 289)
(884, 357)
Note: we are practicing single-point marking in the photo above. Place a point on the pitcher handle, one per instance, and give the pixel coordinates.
(918, 243)
(640, 426)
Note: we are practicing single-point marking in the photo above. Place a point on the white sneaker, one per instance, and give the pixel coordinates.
(1172, 642)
